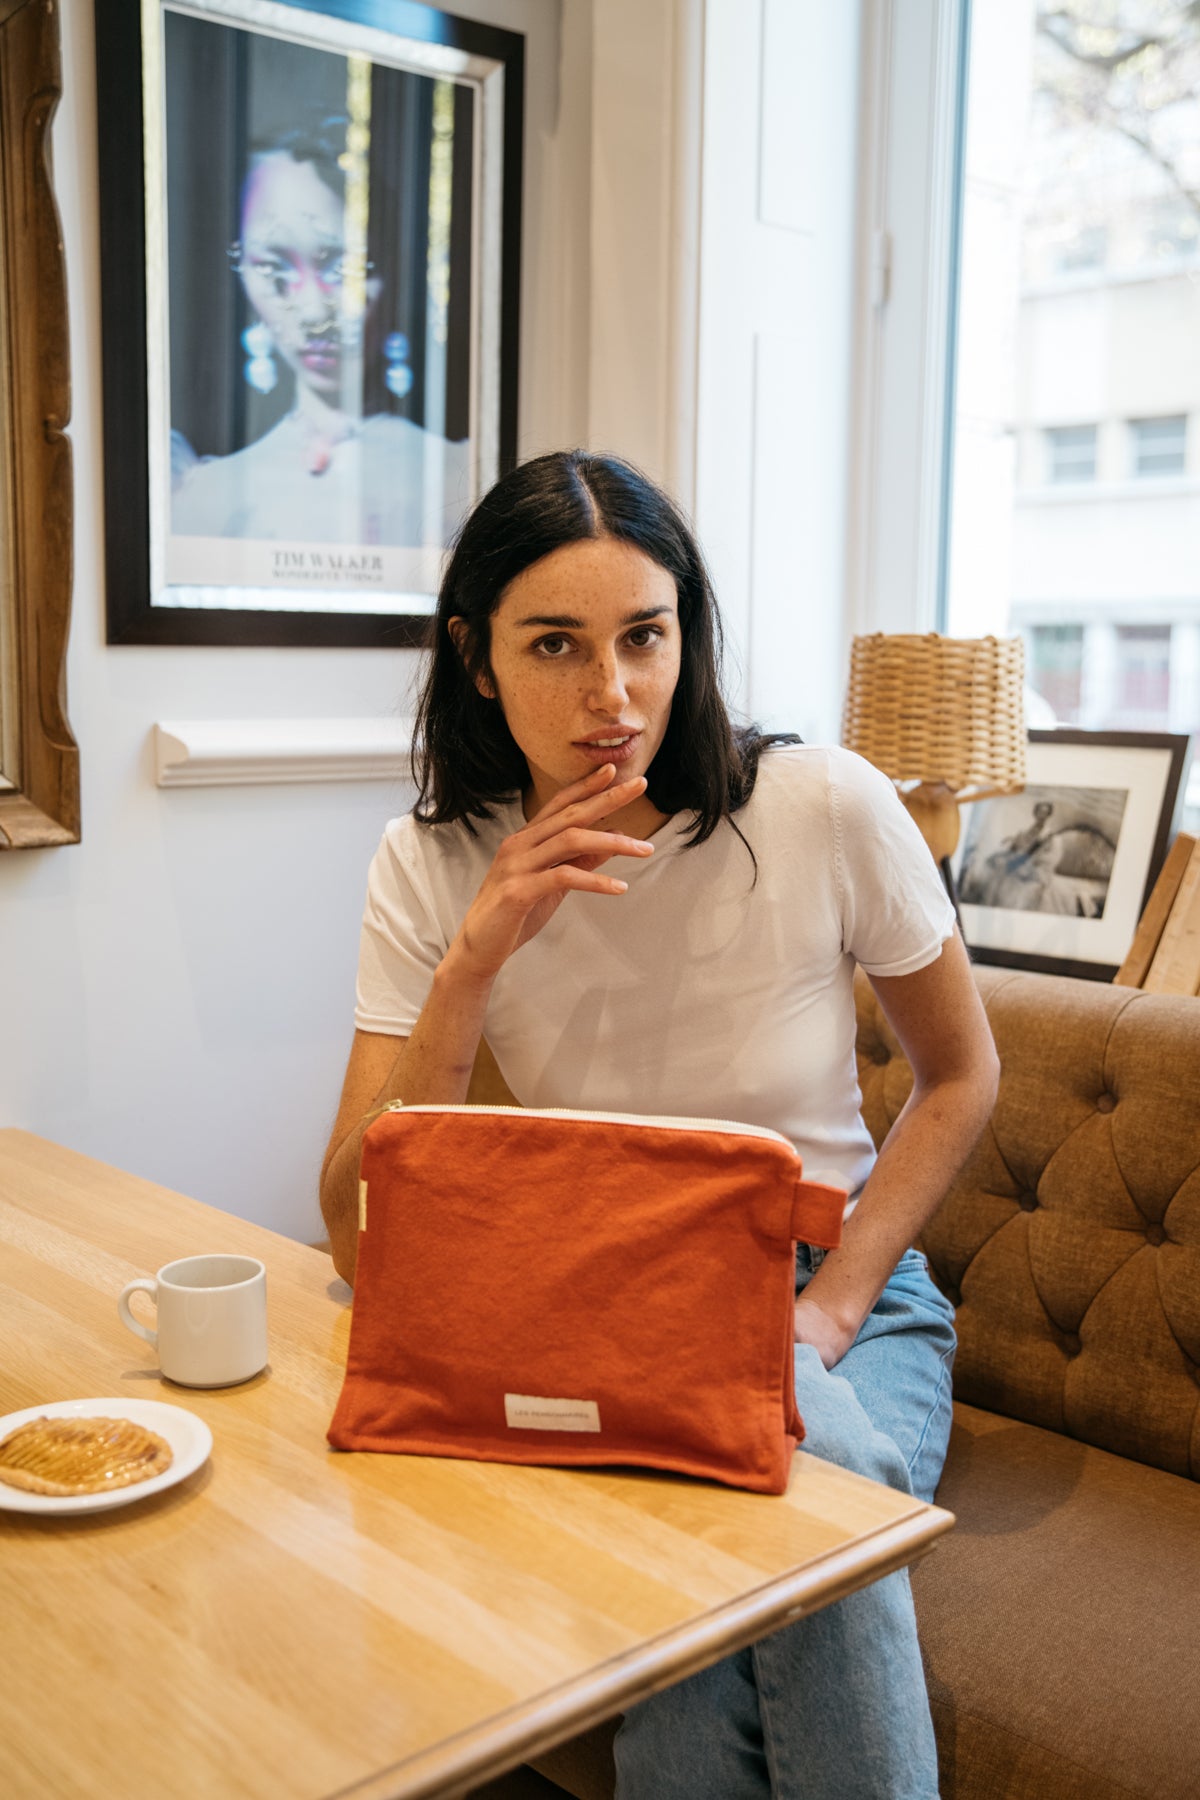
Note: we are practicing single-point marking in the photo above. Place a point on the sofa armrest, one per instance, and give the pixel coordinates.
(1070, 1242)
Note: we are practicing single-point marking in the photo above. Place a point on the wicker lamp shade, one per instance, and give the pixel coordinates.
(939, 710)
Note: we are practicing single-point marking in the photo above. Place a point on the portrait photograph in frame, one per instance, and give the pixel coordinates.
(310, 230)
(1054, 878)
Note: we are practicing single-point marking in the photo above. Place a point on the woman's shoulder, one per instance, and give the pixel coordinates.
(214, 493)
(794, 773)
(415, 845)
(210, 491)
(401, 439)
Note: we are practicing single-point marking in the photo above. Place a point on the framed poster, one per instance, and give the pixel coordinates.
(1055, 878)
(310, 230)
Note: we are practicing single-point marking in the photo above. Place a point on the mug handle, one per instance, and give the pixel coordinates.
(127, 1318)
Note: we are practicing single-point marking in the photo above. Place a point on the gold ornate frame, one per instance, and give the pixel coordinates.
(39, 770)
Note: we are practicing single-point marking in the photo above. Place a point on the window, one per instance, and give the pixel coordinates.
(1055, 665)
(1086, 248)
(1071, 453)
(1159, 446)
(1144, 676)
(1068, 141)
(1171, 229)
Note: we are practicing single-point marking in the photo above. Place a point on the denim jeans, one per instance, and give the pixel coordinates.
(833, 1707)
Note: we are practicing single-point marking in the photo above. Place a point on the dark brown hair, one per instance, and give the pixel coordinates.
(465, 759)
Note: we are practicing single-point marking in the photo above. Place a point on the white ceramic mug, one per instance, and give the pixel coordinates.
(212, 1319)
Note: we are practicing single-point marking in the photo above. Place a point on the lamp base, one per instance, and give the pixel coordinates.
(934, 807)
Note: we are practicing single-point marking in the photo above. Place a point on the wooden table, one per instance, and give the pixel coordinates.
(290, 1621)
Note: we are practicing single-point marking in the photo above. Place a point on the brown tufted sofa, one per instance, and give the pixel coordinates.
(1061, 1618)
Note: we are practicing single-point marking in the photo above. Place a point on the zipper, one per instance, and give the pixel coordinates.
(659, 1120)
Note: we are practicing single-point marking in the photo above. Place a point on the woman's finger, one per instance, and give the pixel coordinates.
(587, 800)
(569, 877)
(576, 841)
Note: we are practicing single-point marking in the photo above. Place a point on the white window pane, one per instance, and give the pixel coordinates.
(1159, 446)
(1072, 452)
(1054, 659)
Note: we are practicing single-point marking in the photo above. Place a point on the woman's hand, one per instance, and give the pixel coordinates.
(815, 1326)
(560, 851)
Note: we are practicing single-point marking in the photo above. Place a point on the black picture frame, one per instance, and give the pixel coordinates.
(417, 42)
(1118, 795)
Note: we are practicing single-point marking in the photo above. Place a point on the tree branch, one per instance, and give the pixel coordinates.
(1046, 23)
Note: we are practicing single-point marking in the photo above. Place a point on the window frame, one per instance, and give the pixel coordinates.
(915, 61)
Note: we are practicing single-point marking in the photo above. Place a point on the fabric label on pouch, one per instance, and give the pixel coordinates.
(534, 1412)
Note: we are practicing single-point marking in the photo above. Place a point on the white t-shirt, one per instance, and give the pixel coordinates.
(702, 991)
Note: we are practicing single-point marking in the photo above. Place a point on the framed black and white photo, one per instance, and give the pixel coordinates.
(1055, 878)
(310, 229)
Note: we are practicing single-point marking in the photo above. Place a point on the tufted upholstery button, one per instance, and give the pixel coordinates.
(880, 1055)
(1106, 1103)
(1027, 1202)
(1155, 1234)
(1072, 1343)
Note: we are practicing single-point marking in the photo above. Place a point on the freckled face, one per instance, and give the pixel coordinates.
(585, 648)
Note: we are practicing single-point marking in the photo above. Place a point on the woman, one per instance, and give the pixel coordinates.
(326, 473)
(650, 912)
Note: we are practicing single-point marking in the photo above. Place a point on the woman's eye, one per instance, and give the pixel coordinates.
(644, 636)
(275, 275)
(552, 646)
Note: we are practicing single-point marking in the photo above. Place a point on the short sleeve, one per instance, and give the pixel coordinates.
(896, 914)
(402, 942)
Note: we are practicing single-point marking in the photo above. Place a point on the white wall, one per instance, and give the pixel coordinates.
(177, 990)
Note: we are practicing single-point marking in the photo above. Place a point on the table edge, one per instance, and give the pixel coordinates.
(460, 1764)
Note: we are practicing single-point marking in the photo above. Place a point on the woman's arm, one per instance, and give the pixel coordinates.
(943, 1030)
(560, 851)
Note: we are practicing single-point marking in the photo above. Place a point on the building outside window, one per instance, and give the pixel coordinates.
(1086, 248)
(1079, 298)
(1159, 446)
(1071, 452)
(1143, 697)
(1054, 658)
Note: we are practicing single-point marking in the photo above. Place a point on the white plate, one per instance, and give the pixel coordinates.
(189, 1438)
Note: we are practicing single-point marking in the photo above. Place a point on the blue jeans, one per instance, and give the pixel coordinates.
(833, 1707)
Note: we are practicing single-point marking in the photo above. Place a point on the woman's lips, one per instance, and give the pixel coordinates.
(609, 746)
(319, 361)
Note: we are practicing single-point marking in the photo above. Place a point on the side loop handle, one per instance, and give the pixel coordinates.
(145, 1286)
(817, 1213)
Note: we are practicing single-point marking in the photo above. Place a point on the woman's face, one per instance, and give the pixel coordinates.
(293, 268)
(585, 661)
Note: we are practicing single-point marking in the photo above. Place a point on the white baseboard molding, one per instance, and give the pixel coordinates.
(250, 752)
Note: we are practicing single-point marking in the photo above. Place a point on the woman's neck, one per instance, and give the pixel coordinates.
(319, 418)
(641, 818)
(321, 428)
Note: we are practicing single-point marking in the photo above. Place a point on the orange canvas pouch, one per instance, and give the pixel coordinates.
(579, 1288)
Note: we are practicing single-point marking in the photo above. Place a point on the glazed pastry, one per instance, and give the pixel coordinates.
(81, 1456)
